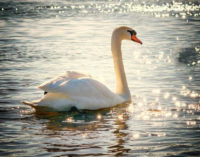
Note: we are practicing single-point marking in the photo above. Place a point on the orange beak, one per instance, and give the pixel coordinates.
(134, 38)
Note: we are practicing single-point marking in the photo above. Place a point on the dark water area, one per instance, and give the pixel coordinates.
(42, 39)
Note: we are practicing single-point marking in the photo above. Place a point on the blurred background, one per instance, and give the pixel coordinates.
(40, 39)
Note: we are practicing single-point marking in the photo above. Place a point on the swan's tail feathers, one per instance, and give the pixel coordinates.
(31, 104)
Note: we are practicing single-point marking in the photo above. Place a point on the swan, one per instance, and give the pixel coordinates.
(78, 90)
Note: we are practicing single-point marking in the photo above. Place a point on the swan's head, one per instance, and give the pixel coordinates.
(127, 33)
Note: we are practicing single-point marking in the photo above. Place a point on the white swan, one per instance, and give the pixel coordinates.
(74, 89)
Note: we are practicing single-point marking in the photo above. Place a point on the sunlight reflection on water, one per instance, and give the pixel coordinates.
(40, 40)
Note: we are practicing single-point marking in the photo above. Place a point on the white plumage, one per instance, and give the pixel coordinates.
(78, 90)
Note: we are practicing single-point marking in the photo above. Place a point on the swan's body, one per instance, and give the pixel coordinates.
(81, 91)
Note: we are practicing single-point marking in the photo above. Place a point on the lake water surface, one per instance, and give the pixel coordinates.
(42, 39)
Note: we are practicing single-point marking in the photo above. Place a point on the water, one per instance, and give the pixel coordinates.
(42, 39)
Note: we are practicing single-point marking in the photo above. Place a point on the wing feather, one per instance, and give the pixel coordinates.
(61, 80)
(80, 91)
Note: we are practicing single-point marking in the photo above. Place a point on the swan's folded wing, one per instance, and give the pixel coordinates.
(59, 81)
(78, 87)
(83, 93)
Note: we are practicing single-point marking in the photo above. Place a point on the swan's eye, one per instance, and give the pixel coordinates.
(132, 32)
(133, 36)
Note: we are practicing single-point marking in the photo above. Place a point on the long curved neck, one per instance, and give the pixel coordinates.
(121, 82)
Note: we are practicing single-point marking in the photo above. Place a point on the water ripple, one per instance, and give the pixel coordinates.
(158, 9)
(39, 40)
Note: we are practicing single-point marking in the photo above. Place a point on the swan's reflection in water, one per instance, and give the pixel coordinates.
(121, 135)
(77, 132)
